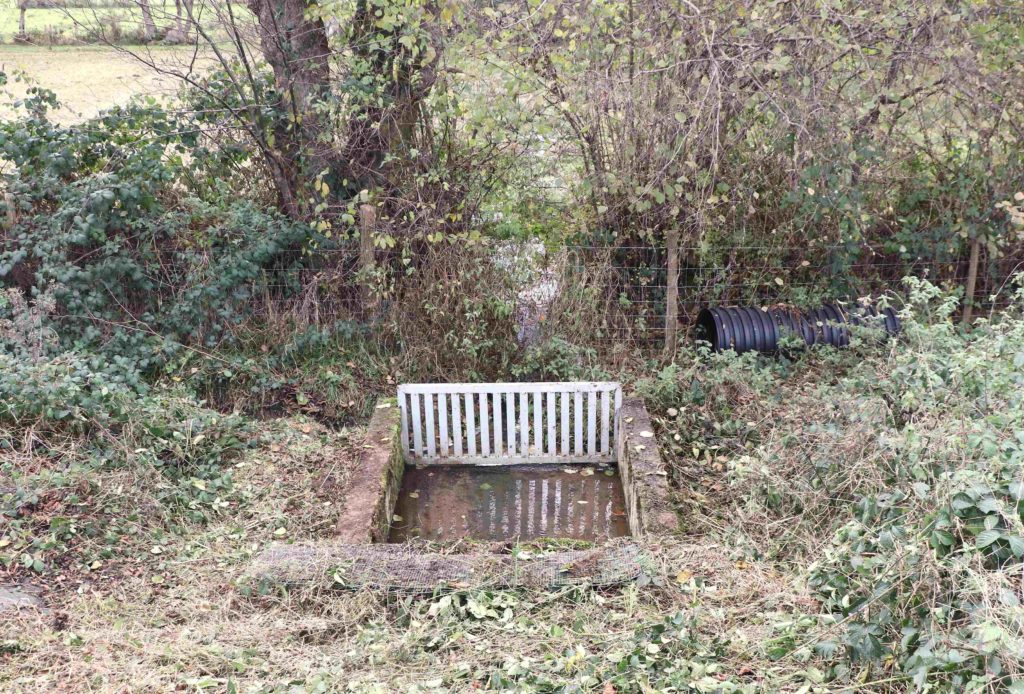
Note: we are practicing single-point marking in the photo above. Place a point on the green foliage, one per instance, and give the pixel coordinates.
(556, 359)
(114, 223)
(910, 461)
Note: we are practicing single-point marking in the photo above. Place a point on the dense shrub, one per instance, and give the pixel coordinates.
(116, 222)
(908, 462)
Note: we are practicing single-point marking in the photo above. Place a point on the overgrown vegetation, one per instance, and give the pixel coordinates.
(201, 300)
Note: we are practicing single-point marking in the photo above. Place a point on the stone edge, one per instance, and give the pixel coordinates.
(375, 481)
(643, 473)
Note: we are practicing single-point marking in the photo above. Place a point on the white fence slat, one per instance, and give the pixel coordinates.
(470, 424)
(591, 422)
(485, 437)
(457, 423)
(524, 424)
(605, 421)
(552, 447)
(417, 430)
(617, 418)
(428, 407)
(499, 432)
(577, 401)
(564, 397)
(510, 422)
(403, 410)
(442, 424)
(538, 430)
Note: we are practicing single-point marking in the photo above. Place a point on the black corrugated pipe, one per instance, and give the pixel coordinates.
(746, 329)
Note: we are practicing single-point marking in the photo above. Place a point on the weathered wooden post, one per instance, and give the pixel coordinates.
(672, 293)
(367, 257)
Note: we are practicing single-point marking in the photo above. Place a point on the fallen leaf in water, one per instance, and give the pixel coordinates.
(414, 495)
(587, 472)
(485, 486)
(569, 470)
(397, 518)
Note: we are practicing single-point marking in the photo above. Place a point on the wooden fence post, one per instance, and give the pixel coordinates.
(672, 293)
(367, 257)
(972, 282)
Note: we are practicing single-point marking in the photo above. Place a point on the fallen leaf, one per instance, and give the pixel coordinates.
(684, 576)
(647, 434)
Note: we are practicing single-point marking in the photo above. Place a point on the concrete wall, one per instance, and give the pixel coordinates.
(644, 476)
(374, 484)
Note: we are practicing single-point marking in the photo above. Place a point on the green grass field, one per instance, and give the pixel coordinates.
(69, 21)
(71, 24)
(87, 79)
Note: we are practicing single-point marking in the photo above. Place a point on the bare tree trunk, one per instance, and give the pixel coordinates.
(148, 25)
(182, 20)
(972, 282)
(22, 9)
(177, 18)
(384, 130)
(294, 43)
(672, 292)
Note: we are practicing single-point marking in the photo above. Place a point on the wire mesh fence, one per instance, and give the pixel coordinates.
(614, 298)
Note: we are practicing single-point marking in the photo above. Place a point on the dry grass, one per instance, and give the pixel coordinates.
(176, 621)
(134, 636)
(87, 79)
(788, 453)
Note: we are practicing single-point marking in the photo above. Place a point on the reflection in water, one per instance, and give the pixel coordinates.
(523, 502)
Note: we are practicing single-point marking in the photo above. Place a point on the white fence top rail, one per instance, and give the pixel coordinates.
(509, 423)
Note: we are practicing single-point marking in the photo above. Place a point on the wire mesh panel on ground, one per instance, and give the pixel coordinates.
(403, 568)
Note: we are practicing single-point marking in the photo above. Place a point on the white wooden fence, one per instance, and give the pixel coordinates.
(509, 423)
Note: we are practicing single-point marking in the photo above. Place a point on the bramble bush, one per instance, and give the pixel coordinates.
(116, 221)
(898, 473)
